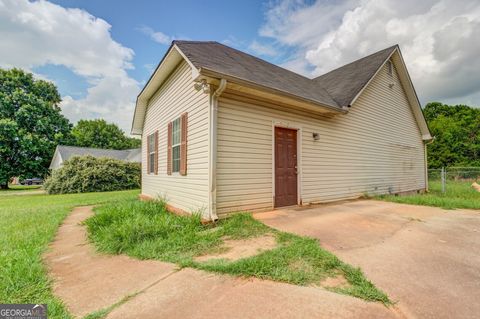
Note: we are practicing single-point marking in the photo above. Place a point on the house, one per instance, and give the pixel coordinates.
(63, 153)
(224, 131)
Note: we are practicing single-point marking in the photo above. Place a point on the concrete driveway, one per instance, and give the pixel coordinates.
(87, 282)
(427, 259)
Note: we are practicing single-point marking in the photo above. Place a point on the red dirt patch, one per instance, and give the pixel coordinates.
(242, 248)
(338, 281)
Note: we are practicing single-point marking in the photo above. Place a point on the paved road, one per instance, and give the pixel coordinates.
(426, 258)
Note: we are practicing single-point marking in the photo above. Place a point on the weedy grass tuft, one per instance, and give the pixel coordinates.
(147, 231)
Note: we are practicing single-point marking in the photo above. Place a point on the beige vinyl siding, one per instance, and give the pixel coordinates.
(174, 97)
(375, 148)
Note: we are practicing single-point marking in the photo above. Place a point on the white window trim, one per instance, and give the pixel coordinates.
(152, 151)
(179, 144)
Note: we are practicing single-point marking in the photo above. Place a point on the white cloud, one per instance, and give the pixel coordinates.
(438, 39)
(38, 33)
(156, 36)
(295, 23)
(262, 49)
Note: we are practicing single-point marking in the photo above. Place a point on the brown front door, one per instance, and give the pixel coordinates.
(285, 167)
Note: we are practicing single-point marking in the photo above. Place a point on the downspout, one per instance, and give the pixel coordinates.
(426, 161)
(213, 148)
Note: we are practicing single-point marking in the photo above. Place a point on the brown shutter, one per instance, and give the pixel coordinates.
(169, 149)
(183, 145)
(148, 154)
(156, 153)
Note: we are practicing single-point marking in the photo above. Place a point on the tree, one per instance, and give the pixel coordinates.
(31, 125)
(100, 134)
(456, 129)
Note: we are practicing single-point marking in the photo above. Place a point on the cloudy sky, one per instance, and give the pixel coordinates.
(100, 53)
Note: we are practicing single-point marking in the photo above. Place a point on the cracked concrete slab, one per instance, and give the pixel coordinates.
(196, 294)
(426, 258)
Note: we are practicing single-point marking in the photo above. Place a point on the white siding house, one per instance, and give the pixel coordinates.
(256, 137)
(175, 97)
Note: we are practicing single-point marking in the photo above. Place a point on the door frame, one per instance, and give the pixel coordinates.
(292, 126)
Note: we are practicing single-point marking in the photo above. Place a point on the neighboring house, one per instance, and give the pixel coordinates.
(224, 131)
(63, 153)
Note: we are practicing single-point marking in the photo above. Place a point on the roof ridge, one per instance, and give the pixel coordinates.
(193, 41)
(357, 60)
(96, 148)
(346, 82)
(262, 60)
(242, 52)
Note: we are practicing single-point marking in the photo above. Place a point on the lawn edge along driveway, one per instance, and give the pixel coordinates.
(146, 230)
(28, 223)
(86, 288)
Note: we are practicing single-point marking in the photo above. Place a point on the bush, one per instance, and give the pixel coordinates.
(82, 174)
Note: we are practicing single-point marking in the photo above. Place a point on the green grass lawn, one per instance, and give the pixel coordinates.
(146, 231)
(27, 224)
(457, 195)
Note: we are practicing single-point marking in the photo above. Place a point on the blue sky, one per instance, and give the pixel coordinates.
(100, 53)
(236, 22)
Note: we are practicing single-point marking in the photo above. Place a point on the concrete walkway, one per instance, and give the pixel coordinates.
(87, 281)
(425, 258)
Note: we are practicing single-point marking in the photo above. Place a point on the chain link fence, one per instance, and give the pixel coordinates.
(446, 175)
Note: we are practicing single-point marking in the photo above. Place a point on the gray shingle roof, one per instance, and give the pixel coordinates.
(336, 88)
(131, 155)
(231, 62)
(344, 83)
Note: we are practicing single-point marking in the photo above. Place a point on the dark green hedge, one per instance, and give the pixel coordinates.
(83, 174)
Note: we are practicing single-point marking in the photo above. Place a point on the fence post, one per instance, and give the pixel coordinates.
(443, 179)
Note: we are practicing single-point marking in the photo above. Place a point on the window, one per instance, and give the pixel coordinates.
(389, 67)
(151, 153)
(176, 143)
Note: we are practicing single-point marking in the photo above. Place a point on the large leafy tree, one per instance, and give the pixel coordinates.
(456, 129)
(31, 125)
(100, 134)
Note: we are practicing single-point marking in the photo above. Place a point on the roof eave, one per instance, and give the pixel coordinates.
(168, 63)
(371, 78)
(218, 75)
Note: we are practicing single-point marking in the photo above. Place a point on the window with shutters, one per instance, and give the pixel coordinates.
(176, 143)
(151, 153)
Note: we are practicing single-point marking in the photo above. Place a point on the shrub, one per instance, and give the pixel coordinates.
(82, 174)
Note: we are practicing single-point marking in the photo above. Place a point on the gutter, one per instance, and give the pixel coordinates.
(209, 73)
(213, 149)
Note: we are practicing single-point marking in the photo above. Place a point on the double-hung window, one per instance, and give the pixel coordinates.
(151, 153)
(176, 143)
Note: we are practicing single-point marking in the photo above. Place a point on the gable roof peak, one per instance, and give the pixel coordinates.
(344, 83)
